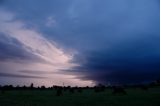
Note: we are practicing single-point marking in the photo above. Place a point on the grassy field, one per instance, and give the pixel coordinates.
(134, 97)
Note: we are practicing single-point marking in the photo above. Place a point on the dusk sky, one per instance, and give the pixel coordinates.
(79, 42)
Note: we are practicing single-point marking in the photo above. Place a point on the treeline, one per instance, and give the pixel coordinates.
(98, 88)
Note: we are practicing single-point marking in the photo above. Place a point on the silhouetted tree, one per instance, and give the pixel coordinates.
(99, 88)
(17, 87)
(24, 87)
(43, 87)
(31, 86)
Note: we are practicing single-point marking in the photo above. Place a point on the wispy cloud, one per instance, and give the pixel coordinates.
(19, 76)
(35, 53)
(37, 72)
(33, 42)
(50, 21)
(12, 50)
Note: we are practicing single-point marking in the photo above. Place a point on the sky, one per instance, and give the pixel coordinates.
(79, 42)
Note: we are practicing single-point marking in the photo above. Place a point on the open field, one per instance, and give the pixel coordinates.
(134, 97)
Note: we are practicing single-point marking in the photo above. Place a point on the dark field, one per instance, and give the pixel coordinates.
(134, 97)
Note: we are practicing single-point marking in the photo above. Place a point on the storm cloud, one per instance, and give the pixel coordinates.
(106, 41)
(121, 43)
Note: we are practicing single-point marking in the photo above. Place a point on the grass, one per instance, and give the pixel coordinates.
(134, 97)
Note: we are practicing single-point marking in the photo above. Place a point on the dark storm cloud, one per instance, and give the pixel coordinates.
(19, 76)
(118, 41)
(12, 49)
(128, 62)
